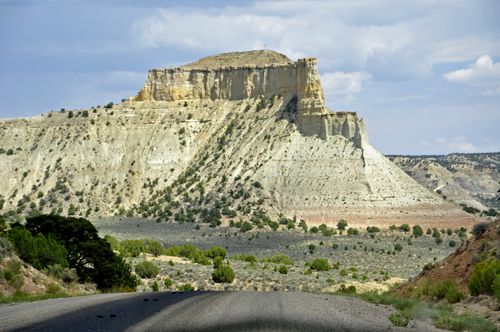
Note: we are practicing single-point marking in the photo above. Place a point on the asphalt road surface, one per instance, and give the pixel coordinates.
(202, 311)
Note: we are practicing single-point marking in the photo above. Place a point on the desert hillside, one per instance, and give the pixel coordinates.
(241, 134)
(472, 179)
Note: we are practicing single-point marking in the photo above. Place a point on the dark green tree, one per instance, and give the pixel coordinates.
(91, 256)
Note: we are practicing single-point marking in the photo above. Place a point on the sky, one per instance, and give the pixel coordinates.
(425, 75)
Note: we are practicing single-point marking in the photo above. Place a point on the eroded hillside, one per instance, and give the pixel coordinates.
(471, 179)
(241, 140)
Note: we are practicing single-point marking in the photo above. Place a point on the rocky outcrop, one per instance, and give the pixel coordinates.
(190, 82)
(300, 78)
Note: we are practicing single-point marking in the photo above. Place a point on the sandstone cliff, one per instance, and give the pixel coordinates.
(256, 136)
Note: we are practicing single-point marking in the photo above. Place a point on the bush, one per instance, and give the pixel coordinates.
(398, 247)
(344, 273)
(217, 252)
(155, 248)
(171, 263)
(186, 287)
(372, 229)
(439, 240)
(146, 269)
(342, 224)
(283, 269)
(156, 287)
(449, 231)
(452, 243)
(483, 278)
(330, 281)
(168, 282)
(314, 230)
(65, 274)
(429, 231)
(405, 227)
(308, 271)
(335, 246)
(349, 290)
(352, 231)
(480, 228)
(417, 231)
(218, 262)
(223, 274)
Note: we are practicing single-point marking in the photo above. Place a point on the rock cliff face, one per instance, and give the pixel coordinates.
(202, 81)
(249, 129)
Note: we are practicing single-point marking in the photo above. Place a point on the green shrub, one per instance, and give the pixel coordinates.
(171, 263)
(417, 231)
(330, 281)
(429, 231)
(342, 224)
(223, 274)
(217, 252)
(452, 243)
(320, 264)
(283, 269)
(372, 229)
(168, 282)
(353, 269)
(405, 227)
(308, 271)
(344, 273)
(352, 231)
(314, 230)
(349, 290)
(218, 262)
(53, 288)
(398, 247)
(186, 287)
(8, 274)
(156, 287)
(146, 269)
(439, 240)
(355, 276)
(65, 274)
(483, 278)
(335, 246)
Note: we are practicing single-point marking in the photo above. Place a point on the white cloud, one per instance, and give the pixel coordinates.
(391, 41)
(456, 144)
(483, 70)
(339, 83)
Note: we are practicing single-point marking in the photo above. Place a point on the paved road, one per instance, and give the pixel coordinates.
(202, 311)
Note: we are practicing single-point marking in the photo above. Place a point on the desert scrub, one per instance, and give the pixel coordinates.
(320, 264)
(223, 274)
(446, 289)
(186, 287)
(146, 269)
(156, 287)
(283, 269)
(344, 273)
(168, 282)
(483, 279)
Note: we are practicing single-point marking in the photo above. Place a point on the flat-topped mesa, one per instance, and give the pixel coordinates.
(236, 76)
(243, 75)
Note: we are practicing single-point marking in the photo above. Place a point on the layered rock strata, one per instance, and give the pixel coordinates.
(224, 128)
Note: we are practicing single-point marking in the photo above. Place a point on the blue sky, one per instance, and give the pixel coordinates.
(425, 75)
